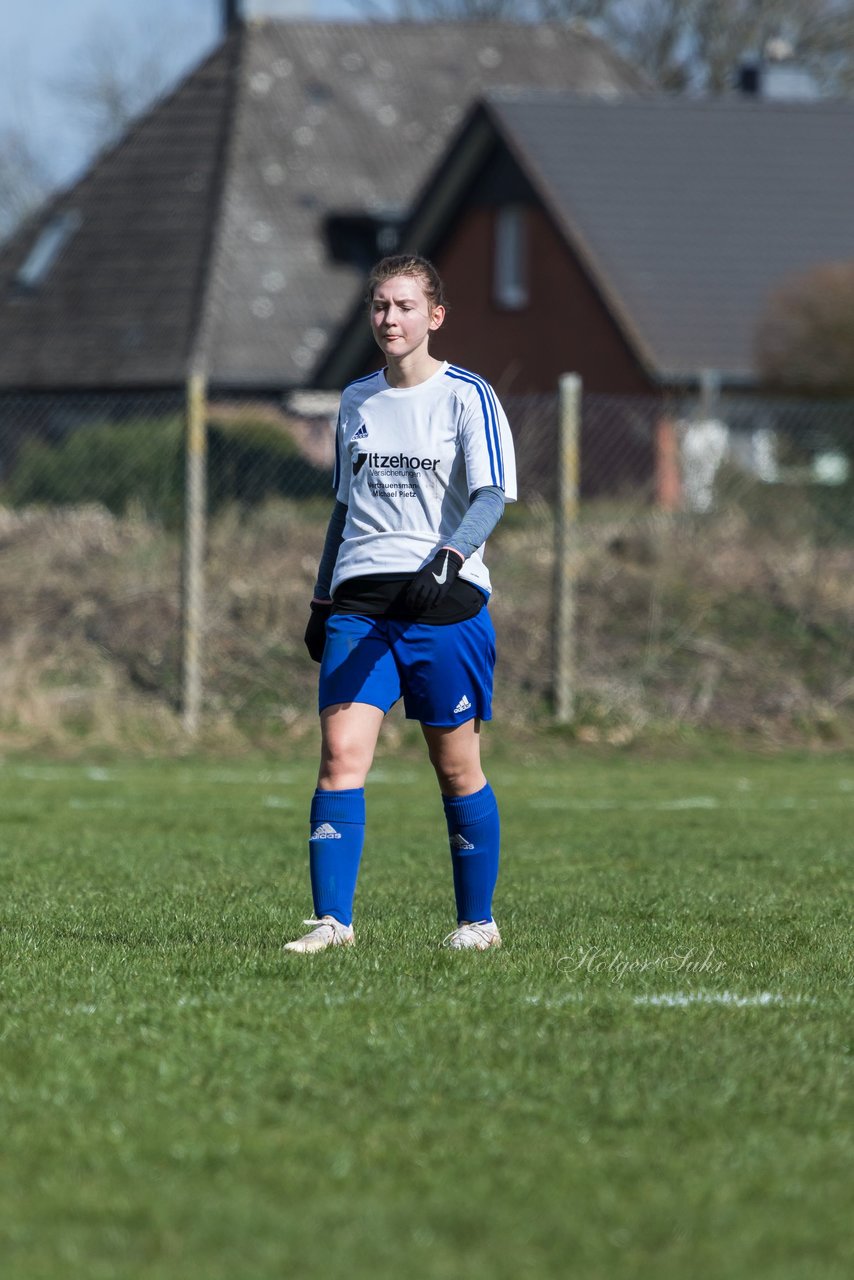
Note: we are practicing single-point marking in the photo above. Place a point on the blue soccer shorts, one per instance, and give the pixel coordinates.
(444, 674)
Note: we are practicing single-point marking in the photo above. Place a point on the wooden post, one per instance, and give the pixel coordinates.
(566, 547)
(195, 533)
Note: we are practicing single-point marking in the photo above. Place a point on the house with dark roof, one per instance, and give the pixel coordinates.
(634, 241)
(229, 229)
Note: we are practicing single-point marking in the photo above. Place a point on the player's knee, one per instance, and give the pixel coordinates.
(344, 763)
(457, 778)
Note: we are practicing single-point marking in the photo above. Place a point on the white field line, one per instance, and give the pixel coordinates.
(45, 773)
(236, 778)
(787, 804)
(686, 802)
(93, 773)
(783, 803)
(681, 999)
(188, 806)
(397, 777)
(56, 773)
(77, 803)
(555, 1002)
(739, 800)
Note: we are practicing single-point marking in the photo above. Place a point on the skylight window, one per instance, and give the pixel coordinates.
(49, 244)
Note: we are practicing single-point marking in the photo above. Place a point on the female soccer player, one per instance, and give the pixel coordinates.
(424, 464)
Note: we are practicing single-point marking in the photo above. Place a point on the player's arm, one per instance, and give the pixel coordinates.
(487, 446)
(432, 583)
(321, 603)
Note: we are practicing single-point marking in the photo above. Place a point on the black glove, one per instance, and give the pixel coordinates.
(432, 583)
(315, 632)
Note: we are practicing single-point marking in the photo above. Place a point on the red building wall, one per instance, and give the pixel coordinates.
(565, 328)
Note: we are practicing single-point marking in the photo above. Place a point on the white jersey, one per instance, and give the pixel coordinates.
(407, 460)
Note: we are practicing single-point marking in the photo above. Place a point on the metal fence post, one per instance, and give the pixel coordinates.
(566, 546)
(195, 521)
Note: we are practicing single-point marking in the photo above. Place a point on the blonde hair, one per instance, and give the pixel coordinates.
(409, 264)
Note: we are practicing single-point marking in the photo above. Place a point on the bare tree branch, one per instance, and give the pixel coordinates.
(682, 45)
(656, 35)
(116, 76)
(24, 180)
(487, 10)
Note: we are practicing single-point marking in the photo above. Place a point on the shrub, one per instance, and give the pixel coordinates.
(250, 461)
(141, 463)
(137, 462)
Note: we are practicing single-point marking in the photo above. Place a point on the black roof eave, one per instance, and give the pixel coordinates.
(574, 238)
(725, 379)
(420, 233)
(481, 129)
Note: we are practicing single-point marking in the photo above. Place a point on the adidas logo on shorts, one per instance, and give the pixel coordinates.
(325, 832)
(462, 705)
(460, 842)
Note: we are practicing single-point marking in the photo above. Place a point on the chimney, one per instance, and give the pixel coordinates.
(750, 76)
(232, 15)
(776, 74)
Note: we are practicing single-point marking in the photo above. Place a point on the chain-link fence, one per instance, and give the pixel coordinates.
(712, 565)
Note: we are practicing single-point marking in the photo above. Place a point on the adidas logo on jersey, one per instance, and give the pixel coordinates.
(460, 842)
(462, 705)
(325, 832)
(361, 434)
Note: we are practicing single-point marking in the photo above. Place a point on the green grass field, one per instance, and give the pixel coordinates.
(650, 1079)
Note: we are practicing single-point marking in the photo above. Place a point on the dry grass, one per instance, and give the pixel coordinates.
(713, 625)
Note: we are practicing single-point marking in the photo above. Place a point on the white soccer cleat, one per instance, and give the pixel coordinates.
(326, 932)
(473, 937)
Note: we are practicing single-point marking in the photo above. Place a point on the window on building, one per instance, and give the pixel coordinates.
(47, 247)
(360, 238)
(510, 277)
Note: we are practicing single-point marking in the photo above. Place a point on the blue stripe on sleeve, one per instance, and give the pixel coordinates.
(336, 474)
(496, 427)
(490, 418)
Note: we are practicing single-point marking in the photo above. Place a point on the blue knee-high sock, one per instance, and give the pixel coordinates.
(475, 834)
(335, 849)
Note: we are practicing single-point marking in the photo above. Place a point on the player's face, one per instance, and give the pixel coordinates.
(401, 317)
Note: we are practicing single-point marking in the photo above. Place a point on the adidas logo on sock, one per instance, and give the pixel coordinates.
(361, 434)
(460, 842)
(325, 832)
(462, 705)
